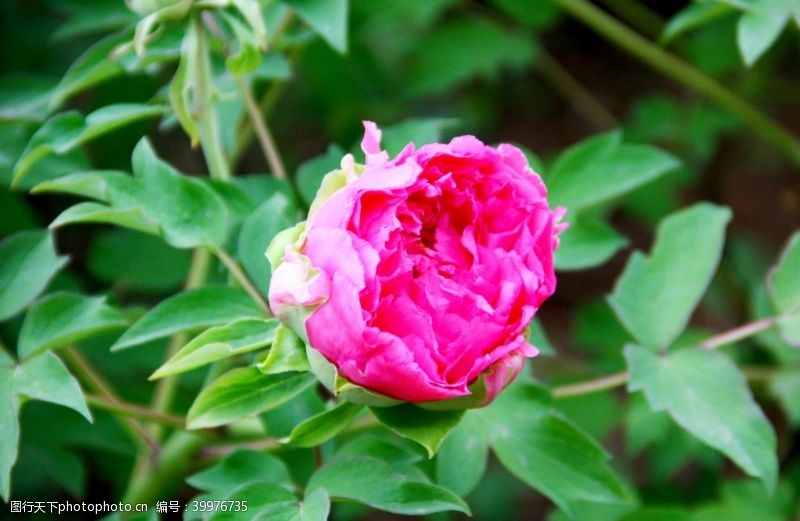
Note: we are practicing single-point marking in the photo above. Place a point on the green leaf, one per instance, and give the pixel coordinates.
(310, 173)
(655, 295)
(137, 262)
(603, 168)
(375, 483)
(240, 468)
(45, 378)
(786, 388)
(784, 289)
(464, 49)
(195, 309)
(760, 25)
(428, 428)
(92, 184)
(692, 16)
(9, 424)
(67, 131)
(244, 392)
(320, 428)
(587, 243)
(274, 214)
(463, 456)
(28, 260)
(548, 452)
(24, 98)
(533, 13)
(328, 18)
(706, 394)
(65, 318)
(241, 336)
(90, 212)
(268, 501)
(417, 131)
(93, 67)
(288, 353)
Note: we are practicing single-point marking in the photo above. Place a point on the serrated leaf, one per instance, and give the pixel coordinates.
(603, 168)
(195, 309)
(238, 337)
(375, 483)
(784, 289)
(428, 428)
(9, 424)
(44, 377)
(288, 353)
(587, 243)
(65, 318)
(240, 468)
(320, 428)
(67, 131)
(90, 212)
(28, 260)
(706, 394)
(244, 392)
(547, 452)
(328, 18)
(462, 458)
(656, 294)
(272, 216)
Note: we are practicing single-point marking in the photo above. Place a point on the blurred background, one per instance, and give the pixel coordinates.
(518, 71)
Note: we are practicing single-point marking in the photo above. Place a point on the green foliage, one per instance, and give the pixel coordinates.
(428, 428)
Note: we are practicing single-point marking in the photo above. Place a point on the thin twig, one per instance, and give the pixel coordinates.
(135, 411)
(243, 279)
(739, 333)
(265, 139)
(591, 386)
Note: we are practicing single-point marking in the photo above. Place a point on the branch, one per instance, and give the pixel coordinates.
(243, 279)
(134, 411)
(263, 133)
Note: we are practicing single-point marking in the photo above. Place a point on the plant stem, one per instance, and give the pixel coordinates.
(92, 380)
(674, 68)
(134, 411)
(243, 279)
(208, 125)
(619, 379)
(638, 16)
(263, 133)
(580, 98)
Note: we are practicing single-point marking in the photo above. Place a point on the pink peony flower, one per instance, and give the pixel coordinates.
(416, 277)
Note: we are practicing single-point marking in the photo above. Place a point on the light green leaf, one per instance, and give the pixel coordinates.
(760, 25)
(240, 336)
(9, 424)
(65, 318)
(244, 392)
(93, 184)
(268, 501)
(706, 394)
(45, 378)
(428, 428)
(248, 55)
(274, 214)
(67, 131)
(784, 289)
(656, 294)
(90, 212)
(320, 428)
(587, 243)
(696, 14)
(463, 456)
(786, 387)
(288, 353)
(546, 451)
(28, 260)
(195, 309)
(603, 168)
(375, 483)
(327, 17)
(240, 468)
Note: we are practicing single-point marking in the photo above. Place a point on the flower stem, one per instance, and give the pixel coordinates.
(739, 333)
(674, 68)
(591, 386)
(263, 133)
(134, 411)
(243, 279)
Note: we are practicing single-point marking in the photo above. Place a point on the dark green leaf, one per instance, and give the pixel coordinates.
(65, 318)
(705, 393)
(462, 457)
(240, 468)
(28, 260)
(656, 294)
(324, 426)
(310, 173)
(428, 428)
(93, 67)
(327, 17)
(244, 392)
(194, 309)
